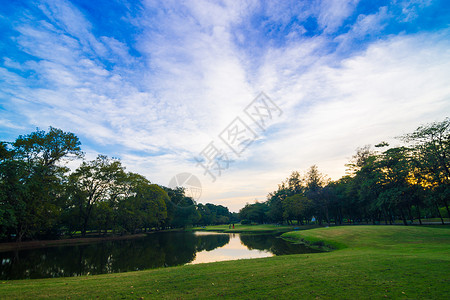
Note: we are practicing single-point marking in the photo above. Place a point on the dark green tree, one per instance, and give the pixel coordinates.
(256, 213)
(32, 179)
(315, 181)
(430, 146)
(91, 183)
(297, 207)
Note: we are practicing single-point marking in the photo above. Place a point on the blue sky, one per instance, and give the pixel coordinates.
(154, 82)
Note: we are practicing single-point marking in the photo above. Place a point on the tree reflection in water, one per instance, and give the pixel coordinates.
(274, 244)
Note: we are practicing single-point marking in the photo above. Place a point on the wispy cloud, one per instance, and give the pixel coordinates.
(332, 13)
(161, 79)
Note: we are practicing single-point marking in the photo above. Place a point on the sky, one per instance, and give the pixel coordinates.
(237, 94)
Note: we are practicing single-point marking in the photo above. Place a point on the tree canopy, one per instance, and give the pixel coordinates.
(406, 182)
(41, 198)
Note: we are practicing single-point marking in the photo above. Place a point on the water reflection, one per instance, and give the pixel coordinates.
(154, 251)
(273, 244)
(234, 249)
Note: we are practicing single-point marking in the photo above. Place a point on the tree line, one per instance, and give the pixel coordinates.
(382, 185)
(40, 197)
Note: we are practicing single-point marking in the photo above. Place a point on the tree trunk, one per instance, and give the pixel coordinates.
(20, 236)
(327, 216)
(85, 223)
(439, 213)
(410, 214)
(385, 216)
(21, 232)
(403, 217)
(446, 206)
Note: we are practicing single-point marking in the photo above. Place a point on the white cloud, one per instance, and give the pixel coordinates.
(332, 13)
(191, 80)
(409, 8)
(382, 93)
(365, 25)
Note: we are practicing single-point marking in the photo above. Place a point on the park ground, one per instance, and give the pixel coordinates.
(368, 262)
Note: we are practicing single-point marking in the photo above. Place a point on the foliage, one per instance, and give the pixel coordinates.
(403, 183)
(41, 198)
(31, 180)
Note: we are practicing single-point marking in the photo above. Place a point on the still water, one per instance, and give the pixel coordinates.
(156, 250)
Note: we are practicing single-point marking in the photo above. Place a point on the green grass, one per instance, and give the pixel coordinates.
(373, 262)
(430, 220)
(387, 239)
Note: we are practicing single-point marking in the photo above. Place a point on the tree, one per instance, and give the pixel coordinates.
(315, 181)
(394, 180)
(431, 153)
(361, 158)
(214, 214)
(48, 149)
(338, 198)
(400, 182)
(206, 217)
(38, 198)
(32, 179)
(256, 212)
(294, 184)
(297, 207)
(182, 210)
(13, 196)
(144, 208)
(92, 182)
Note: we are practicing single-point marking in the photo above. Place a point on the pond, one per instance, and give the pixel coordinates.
(156, 250)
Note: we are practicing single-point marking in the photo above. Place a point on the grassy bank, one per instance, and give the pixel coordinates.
(373, 262)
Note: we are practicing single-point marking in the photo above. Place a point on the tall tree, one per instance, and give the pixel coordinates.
(297, 207)
(293, 185)
(431, 148)
(256, 212)
(39, 175)
(315, 181)
(49, 148)
(394, 181)
(92, 182)
(181, 209)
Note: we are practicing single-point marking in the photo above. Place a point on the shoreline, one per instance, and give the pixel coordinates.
(17, 246)
(35, 244)
(249, 229)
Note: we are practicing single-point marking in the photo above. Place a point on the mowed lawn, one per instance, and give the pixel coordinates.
(373, 262)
